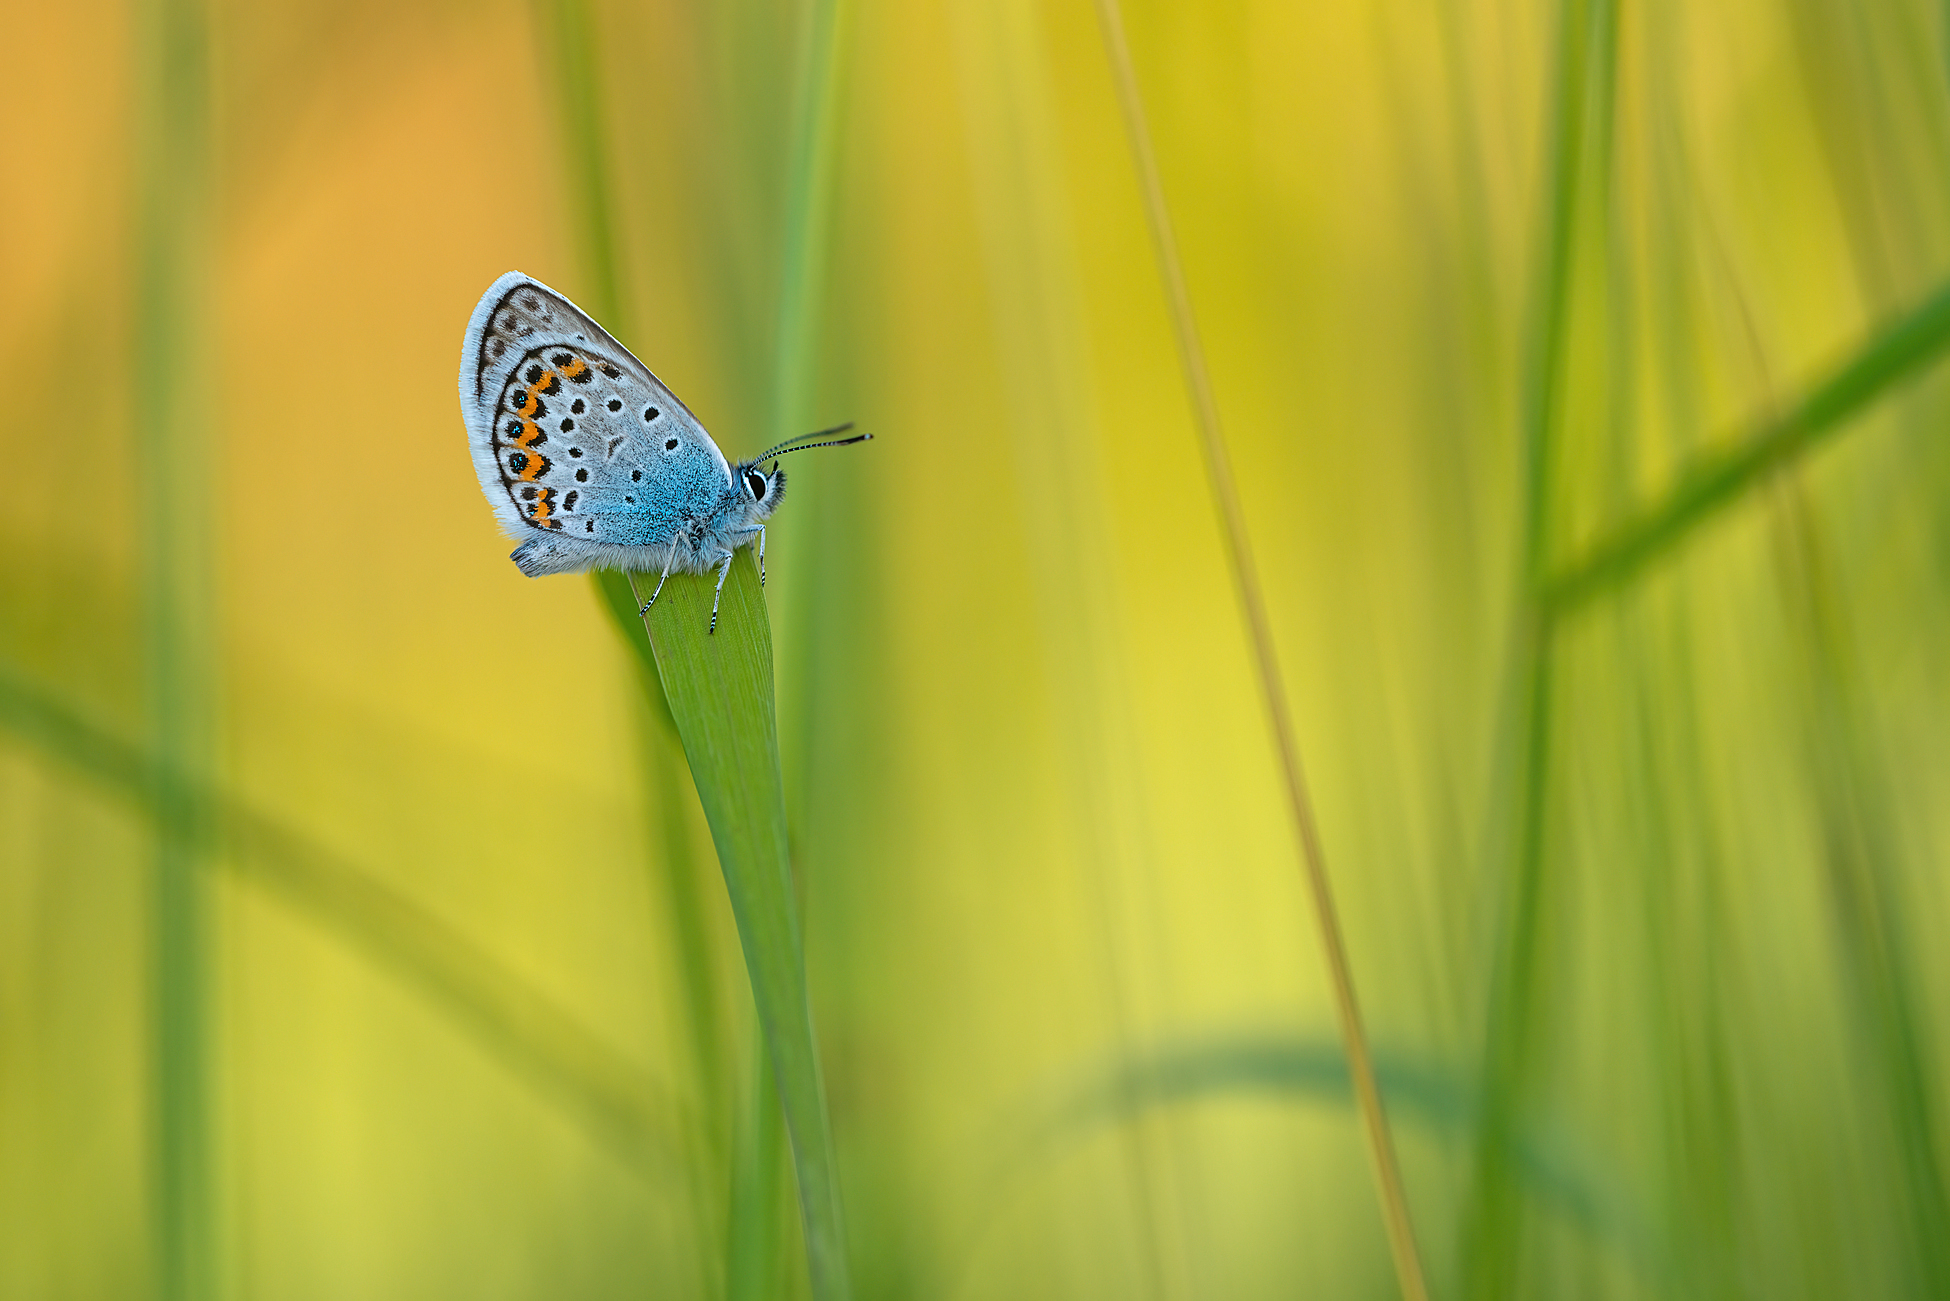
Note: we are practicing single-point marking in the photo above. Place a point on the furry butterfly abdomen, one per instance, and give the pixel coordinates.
(583, 454)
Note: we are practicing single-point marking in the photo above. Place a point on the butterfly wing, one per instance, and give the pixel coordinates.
(580, 450)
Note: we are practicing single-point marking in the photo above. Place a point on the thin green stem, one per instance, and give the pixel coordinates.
(173, 450)
(1586, 51)
(1232, 519)
(752, 1255)
(805, 217)
(793, 1074)
(567, 31)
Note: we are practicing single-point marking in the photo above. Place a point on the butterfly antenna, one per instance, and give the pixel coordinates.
(805, 442)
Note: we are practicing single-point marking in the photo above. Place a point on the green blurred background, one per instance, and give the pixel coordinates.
(359, 933)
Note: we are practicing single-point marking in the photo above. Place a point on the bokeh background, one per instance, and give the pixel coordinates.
(359, 934)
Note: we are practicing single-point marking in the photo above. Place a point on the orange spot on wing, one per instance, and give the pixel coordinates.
(530, 395)
(543, 509)
(576, 369)
(526, 436)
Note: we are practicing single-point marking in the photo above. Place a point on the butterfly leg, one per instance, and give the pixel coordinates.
(723, 573)
(674, 544)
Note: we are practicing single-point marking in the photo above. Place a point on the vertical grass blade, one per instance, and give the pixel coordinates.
(721, 695)
(1492, 1216)
(1218, 465)
(802, 259)
(805, 217)
(174, 453)
(1862, 860)
(696, 960)
(567, 31)
(754, 1249)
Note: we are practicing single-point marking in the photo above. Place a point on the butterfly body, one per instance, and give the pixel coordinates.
(585, 456)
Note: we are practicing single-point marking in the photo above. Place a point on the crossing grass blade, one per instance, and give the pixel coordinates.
(720, 689)
(1301, 1069)
(1896, 353)
(627, 1113)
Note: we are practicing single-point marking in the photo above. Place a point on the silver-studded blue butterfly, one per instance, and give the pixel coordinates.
(590, 460)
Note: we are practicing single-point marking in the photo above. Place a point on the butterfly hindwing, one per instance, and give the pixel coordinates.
(579, 448)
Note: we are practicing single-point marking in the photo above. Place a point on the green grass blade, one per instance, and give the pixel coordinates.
(805, 218)
(1864, 871)
(754, 1251)
(566, 30)
(1299, 1068)
(621, 604)
(755, 1246)
(1491, 1214)
(678, 870)
(171, 130)
(720, 691)
(625, 1112)
(1898, 352)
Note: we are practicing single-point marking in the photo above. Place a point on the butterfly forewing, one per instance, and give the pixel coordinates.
(571, 435)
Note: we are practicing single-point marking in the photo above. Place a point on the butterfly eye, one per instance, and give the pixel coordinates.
(756, 482)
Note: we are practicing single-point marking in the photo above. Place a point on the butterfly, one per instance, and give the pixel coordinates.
(591, 461)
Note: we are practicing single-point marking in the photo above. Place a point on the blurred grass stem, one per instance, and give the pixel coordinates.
(566, 28)
(1587, 46)
(171, 128)
(805, 216)
(1218, 465)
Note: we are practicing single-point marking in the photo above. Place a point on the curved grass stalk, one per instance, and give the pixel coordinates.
(624, 1111)
(1218, 466)
(1294, 1068)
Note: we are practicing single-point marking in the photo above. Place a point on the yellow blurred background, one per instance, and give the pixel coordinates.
(359, 936)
